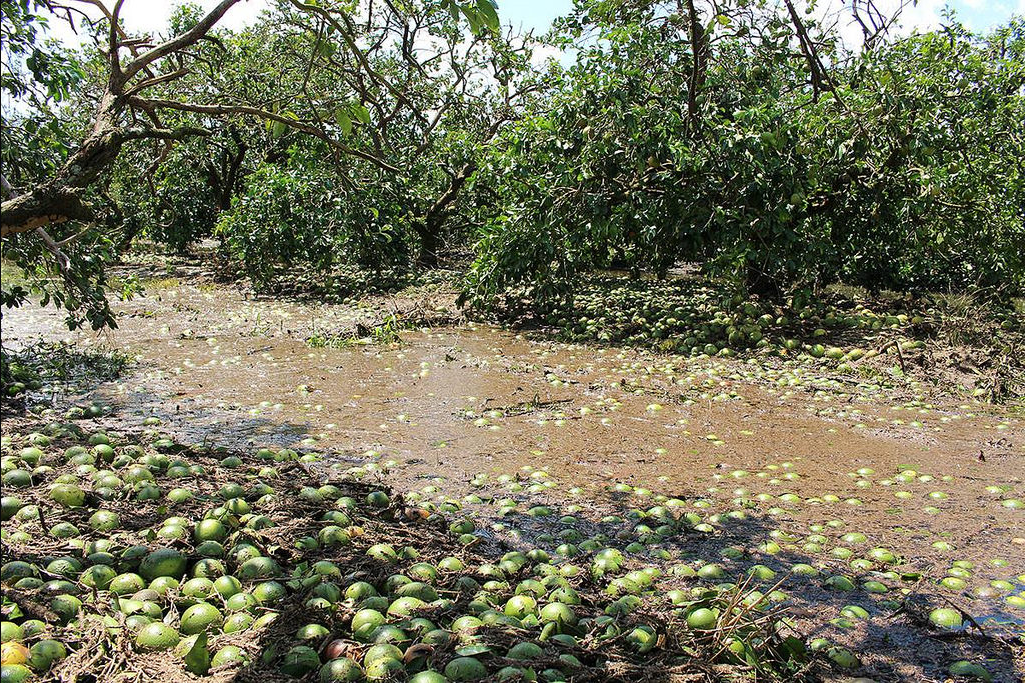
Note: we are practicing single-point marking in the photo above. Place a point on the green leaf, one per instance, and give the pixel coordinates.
(488, 11)
(343, 120)
(361, 113)
(472, 18)
(453, 9)
(796, 646)
(198, 659)
(325, 49)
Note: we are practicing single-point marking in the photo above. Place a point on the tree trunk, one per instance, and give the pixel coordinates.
(59, 199)
(757, 282)
(429, 230)
(699, 45)
(430, 244)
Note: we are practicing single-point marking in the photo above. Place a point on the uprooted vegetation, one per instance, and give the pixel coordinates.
(63, 368)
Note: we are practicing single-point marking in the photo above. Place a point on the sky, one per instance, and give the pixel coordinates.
(151, 15)
(979, 15)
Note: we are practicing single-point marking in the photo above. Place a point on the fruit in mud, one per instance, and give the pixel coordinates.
(428, 677)
(524, 650)
(968, 669)
(200, 617)
(341, 670)
(258, 568)
(702, 619)
(843, 657)
(68, 495)
(229, 654)
(945, 617)
(15, 673)
(465, 669)
(14, 653)
(45, 653)
(163, 562)
(299, 661)
(157, 636)
(210, 530)
(9, 506)
(558, 613)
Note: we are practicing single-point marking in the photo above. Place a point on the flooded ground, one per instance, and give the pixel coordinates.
(787, 464)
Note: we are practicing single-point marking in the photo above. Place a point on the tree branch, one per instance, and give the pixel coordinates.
(345, 31)
(190, 37)
(45, 205)
(243, 110)
(163, 133)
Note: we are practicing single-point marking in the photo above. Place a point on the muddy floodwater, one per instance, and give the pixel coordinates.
(813, 464)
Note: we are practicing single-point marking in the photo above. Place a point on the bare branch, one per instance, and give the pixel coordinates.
(63, 262)
(346, 32)
(163, 133)
(186, 39)
(156, 80)
(243, 110)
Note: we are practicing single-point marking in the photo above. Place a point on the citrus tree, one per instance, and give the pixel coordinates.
(147, 92)
(746, 137)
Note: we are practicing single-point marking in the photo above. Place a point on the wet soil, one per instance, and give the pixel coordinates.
(451, 404)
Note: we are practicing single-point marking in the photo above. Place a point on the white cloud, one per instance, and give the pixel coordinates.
(925, 15)
(542, 53)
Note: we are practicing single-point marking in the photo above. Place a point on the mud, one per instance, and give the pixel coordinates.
(450, 403)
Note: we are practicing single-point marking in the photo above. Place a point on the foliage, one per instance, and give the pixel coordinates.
(741, 135)
(285, 216)
(943, 207)
(32, 67)
(359, 88)
(35, 137)
(59, 367)
(387, 194)
(178, 204)
(893, 168)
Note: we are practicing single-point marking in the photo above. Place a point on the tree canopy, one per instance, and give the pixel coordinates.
(745, 136)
